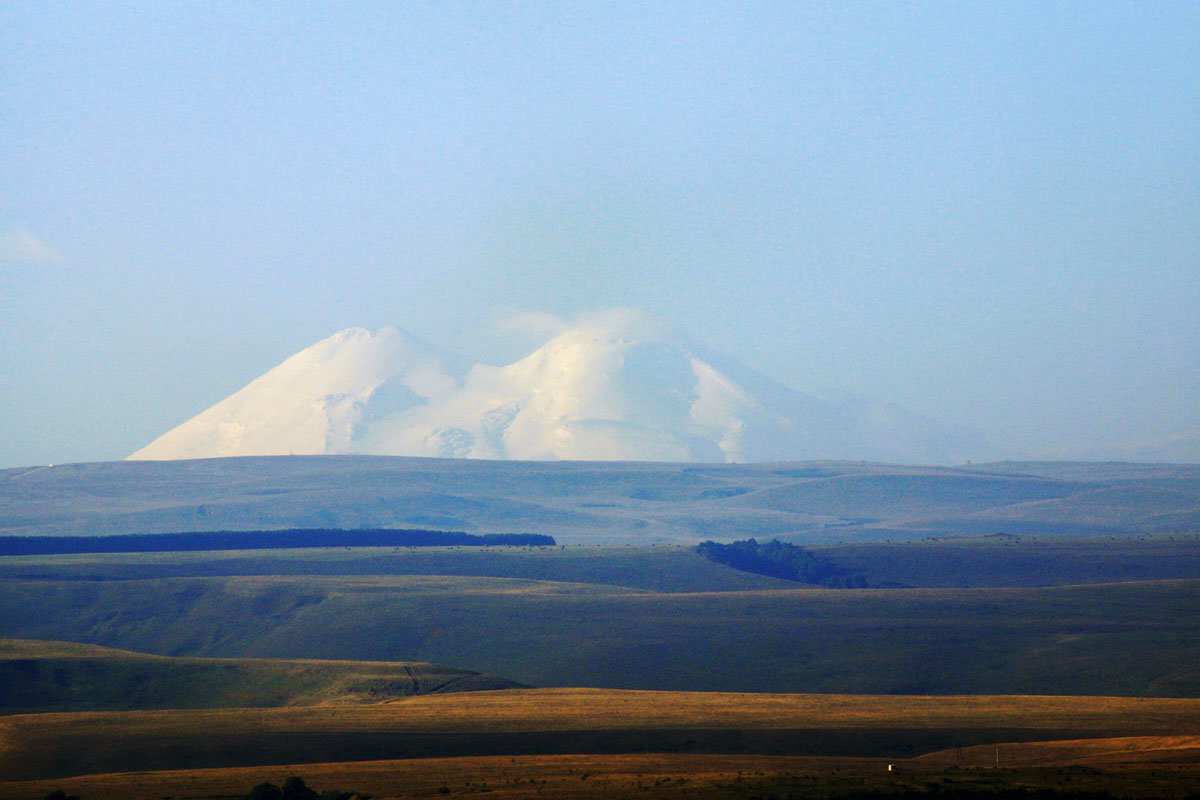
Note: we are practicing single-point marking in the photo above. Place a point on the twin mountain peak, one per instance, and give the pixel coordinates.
(623, 388)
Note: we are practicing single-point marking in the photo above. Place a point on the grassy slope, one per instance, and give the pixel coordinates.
(60, 676)
(565, 721)
(660, 569)
(1025, 561)
(1107, 750)
(1121, 639)
(981, 561)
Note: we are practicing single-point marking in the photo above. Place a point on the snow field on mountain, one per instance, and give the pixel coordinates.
(618, 386)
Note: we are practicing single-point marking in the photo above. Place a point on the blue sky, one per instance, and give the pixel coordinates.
(989, 213)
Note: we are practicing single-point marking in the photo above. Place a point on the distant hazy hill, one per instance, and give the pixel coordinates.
(619, 386)
(600, 502)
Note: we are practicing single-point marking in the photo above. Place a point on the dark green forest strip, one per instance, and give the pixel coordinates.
(783, 560)
(262, 540)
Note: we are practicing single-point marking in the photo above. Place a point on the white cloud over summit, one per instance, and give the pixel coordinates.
(535, 323)
(22, 246)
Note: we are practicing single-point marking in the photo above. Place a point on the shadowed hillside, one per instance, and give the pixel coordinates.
(1005, 560)
(1119, 639)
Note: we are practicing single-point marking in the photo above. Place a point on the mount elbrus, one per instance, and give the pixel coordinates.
(618, 389)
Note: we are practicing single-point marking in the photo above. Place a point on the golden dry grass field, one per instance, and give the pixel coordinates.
(574, 722)
(628, 776)
(1080, 752)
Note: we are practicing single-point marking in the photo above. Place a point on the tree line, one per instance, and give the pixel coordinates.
(263, 540)
(778, 559)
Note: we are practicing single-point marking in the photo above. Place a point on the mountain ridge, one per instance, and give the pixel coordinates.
(617, 386)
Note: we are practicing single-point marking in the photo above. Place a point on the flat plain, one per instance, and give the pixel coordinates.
(592, 743)
(654, 775)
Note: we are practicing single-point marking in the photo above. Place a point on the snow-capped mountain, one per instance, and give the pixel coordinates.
(616, 386)
(320, 400)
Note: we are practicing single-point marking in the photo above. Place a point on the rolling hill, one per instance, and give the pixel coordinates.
(40, 676)
(562, 721)
(1115, 639)
(582, 502)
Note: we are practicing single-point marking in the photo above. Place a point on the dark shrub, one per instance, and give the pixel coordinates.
(294, 788)
(265, 791)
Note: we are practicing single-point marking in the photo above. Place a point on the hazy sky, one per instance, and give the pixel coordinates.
(989, 213)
